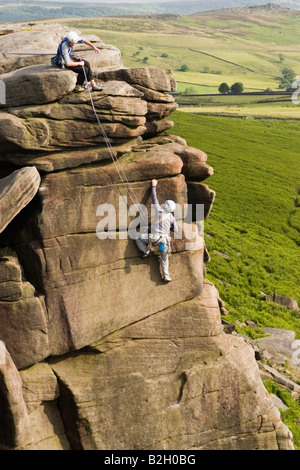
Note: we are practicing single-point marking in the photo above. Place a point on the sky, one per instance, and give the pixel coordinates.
(120, 1)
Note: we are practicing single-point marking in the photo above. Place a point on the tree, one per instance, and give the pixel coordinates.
(237, 88)
(190, 90)
(224, 88)
(281, 57)
(145, 60)
(184, 68)
(288, 76)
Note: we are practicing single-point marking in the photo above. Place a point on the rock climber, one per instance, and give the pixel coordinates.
(65, 59)
(160, 232)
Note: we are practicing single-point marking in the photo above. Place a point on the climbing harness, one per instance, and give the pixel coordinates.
(162, 244)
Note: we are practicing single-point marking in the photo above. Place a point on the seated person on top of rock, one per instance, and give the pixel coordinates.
(160, 236)
(65, 59)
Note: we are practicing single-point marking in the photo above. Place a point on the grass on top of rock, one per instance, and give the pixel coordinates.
(255, 220)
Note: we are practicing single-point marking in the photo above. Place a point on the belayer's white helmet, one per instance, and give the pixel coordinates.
(73, 37)
(169, 206)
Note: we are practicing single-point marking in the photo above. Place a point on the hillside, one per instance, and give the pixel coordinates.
(11, 11)
(96, 350)
(239, 45)
(32, 10)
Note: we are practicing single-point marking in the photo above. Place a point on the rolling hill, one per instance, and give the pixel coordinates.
(250, 45)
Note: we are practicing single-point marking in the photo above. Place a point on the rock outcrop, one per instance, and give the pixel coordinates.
(16, 191)
(287, 302)
(100, 352)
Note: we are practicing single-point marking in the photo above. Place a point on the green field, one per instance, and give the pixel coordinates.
(256, 105)
(235, 45)
(255, 221)
(253, 231)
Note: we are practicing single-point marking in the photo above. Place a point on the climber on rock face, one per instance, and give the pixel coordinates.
(160, 232)
(65, 59)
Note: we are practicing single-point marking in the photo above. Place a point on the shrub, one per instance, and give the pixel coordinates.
(190, 90)
(236, 88)
(288, 76)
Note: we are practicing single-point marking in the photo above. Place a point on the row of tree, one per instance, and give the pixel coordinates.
(286, 82)
(236, 88)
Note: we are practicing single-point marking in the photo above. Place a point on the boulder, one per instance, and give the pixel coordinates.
(46, 135)
(108, 109)
(281, 379)
(41, 392)
(79, 275)
(94, 185)
(40, 41)
(160, 110)
(283, 300)
(278, 402)
(279, 345)
(14, 424)
(10, 276)
(39, 385)
(161, 375)
(78, 271)
(34, 40)
(30, 418)
(154, 96)
(149, 77)
(22, 315)
(194, 160)
(16, 191)
(199, 193)
(72, 158)
(156, 127)
(109, 58)
(37, 84)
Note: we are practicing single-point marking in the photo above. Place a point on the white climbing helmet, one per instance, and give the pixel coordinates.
(73, 37)
(169, 206)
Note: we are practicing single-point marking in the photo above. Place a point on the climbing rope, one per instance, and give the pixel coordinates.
(121, 173)
(118, 166)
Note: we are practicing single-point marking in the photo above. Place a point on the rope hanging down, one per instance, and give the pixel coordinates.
(118, 166)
